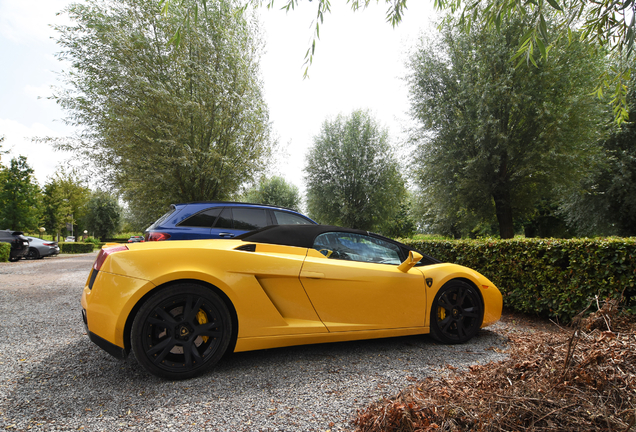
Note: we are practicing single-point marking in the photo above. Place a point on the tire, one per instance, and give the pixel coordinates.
(457, 313)
(181, 331)
(32, 254)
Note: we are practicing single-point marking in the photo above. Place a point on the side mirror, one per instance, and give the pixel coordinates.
(410, 261)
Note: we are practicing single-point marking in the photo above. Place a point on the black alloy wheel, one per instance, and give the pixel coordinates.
(182, 331)
(33, 254)
(457, 313)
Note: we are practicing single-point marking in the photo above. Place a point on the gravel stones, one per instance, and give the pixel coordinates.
(52, 378)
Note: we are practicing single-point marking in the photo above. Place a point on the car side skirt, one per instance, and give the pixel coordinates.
(266, 342)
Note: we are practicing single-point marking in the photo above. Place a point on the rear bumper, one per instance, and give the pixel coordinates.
(110, 348)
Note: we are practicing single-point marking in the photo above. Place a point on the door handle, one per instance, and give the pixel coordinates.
(312, 275)
(229, 235)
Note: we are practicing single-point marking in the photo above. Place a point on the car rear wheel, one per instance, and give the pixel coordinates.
(457, 313)
(182, 331)
(33, 253)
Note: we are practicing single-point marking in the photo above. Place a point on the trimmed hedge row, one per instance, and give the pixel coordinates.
(73, 247)
(5, 250)
(550, 277)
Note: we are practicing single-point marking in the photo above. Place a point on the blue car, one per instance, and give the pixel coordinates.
(216, 220)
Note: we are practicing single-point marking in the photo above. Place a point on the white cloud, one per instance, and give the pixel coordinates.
(26, 21)
(40, 156)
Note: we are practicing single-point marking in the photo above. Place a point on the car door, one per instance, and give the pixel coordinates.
(354, 283)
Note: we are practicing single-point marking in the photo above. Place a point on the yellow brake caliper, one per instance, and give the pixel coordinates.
(203, 319)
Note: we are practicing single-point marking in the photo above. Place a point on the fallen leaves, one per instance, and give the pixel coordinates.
(573, 380)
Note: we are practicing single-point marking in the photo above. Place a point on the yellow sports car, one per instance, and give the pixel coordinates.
(180, 305)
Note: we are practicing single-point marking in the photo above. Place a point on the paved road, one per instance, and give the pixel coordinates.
(53, 378)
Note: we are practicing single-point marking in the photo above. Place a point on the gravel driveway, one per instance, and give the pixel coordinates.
(53, 378)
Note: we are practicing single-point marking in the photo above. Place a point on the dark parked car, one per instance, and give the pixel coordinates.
(205, 220)
(39, 248)
(19, 243)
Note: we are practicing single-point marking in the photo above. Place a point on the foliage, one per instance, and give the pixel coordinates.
(75, 247)
(65, 196)
(493, 139)
(103, 215)
(352, 176)
(400, 224)
(5, 252)
(95, 242)
(605, 204)
(19, 196)
(164, 125)
(552, 278)
(274, 191)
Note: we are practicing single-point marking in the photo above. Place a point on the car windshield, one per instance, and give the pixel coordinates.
(357, 247)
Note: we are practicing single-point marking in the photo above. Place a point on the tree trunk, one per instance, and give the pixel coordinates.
(503, 209)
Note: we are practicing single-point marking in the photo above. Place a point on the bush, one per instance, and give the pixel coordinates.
(5, 250)
(72, 248)
(548, 277)
(95, 242)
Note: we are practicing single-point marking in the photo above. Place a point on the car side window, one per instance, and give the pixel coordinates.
(286, 218)
(249, 218)
(225, 219)
(205, 218)
(357, 247)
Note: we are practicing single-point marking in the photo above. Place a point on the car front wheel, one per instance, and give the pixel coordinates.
(33, 254)
(457, 313)
(182, 331)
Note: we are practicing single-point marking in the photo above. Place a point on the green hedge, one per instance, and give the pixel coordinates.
(75, 247)
(550, 277)
(5, 250)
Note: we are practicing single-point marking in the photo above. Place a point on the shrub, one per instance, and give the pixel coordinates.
(95, 242)
(5, 250)
(549, 277)
(72, 248)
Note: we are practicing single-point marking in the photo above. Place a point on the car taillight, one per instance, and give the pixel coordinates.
(103, 254)
(157, 236)
(49, 244)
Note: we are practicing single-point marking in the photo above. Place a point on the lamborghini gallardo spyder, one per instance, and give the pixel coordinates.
(180, 305)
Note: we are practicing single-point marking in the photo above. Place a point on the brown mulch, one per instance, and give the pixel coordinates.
(577, 379)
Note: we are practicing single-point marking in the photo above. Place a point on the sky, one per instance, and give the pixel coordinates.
(358, 64)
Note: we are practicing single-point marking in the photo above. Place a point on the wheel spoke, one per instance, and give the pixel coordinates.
(461, 295)
(208, 329)
(190, 353)
(472, 312)
(166, 320)
(460, 329)
(164, 346)
(190, 311)
(445, 323)
(444, 302)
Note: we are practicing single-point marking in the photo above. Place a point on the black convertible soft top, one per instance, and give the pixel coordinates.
(304, 236)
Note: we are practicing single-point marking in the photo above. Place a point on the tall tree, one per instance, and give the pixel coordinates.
(103, 215)
(65, 198)
(605, 204)
(494, 139)
(163, 124)
(352, 176)
(274, 191)
(19, 197)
